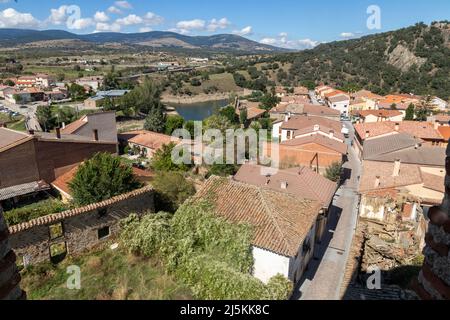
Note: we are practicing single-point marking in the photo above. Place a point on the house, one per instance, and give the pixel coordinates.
(97, 126)
(321, 91)
(281, 91)
(43, 80)
(370, 116)
(253, 110)
(340, 102)
(95, 82)
(315, 151)
(284, 224)
(146, 143)
(98, 100)
(439, 104)
(301, 126)
(388, 144)
(33, 159)
(426, 131)
(299, 181)
(281, 110)
(301, 91)
(363, 100)
(26, 81)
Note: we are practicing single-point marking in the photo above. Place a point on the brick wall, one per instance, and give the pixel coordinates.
(9, 276)
(32, 241)
(434, 279)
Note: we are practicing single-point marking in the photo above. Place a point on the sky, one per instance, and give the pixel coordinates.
(295, 24)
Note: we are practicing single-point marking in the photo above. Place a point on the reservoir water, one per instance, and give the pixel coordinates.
(198, 111)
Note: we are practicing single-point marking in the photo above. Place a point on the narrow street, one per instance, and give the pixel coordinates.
(325, 274)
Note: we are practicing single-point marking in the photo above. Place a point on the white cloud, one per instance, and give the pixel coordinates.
(114, 10)
(196, 24)
(101, 16)
(129, 20)
(81, 23)
(215, 24)
(123, 4)
(10, 18)
(145, 29)
(58, 16)
(347, 35)
(180, 31)
(107, 27)
(152, 19)
(283, 41)
(247, 31)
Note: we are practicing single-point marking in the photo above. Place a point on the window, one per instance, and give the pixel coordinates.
(58, 252)
(102, 212)
(103, 233)
(56, 231)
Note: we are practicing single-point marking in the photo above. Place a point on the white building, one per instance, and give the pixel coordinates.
(439, 104)
(341, 103)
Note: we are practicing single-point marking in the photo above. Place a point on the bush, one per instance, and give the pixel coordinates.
(173, 190)
(208, 253)
(162, 160)
(34, 211)
(334, 172)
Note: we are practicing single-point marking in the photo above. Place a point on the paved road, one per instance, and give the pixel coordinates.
(312, 97)
(325, 275)
(29, 113)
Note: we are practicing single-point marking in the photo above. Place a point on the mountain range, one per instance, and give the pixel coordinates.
(159, 39)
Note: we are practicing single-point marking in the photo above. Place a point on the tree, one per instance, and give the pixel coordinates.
(145, 98)
(222, 170)
(230, 113)
(162, 159)
(60, 77)
(100, 178)
(410, 112)
(155, 120)
(77, 92)
(243, 116)
(334, 172)
(217, 122)
(9, 83)
(269, 101)
(196, 82)
(189, 126)
(173, 123)
(45, 117)
(172, 190)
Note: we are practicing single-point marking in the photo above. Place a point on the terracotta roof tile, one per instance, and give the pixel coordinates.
(281, 221)
(152, 140)
(318, 139)
(422, 130)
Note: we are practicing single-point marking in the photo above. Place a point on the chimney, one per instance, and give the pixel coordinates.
(331, 134)
(284, 185)
(95, 134)
(316, 127)
(63, 125)
(287, 117)
(397, 126)
(377, 181)
(397, 165)
(58, 133)
(436, 125)
(367, 134)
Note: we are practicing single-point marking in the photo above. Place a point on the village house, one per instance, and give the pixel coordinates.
(284, 224)
(146, 143)
(363, 100)
(95, 82)
(425, 131)
(439, 104)
(321, 91)
(30, 162)
(98, 100)
(370, 116)
(253, 110)
(25, 95)
(339, 101)
(97, 126)
(281, 110)
(301, 126)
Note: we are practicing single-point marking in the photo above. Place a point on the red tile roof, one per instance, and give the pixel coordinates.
(445, 132)
(281, 221)
(380, 113)
(422, 130)
(62, 182)
(320, 140)
(152, 140)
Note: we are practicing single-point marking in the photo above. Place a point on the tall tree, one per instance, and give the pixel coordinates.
(410, 112)
(155, 120)
(100, 178)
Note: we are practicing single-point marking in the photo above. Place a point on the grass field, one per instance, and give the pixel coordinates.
(17, 123)
(105, 275)
(224, 82)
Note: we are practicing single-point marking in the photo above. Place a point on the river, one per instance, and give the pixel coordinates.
(198, 111)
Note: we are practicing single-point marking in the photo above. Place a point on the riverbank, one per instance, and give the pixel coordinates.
(199, 98)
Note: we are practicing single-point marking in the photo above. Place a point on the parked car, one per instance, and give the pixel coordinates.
(23, 107)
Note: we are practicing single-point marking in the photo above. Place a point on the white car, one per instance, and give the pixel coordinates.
(345, 131)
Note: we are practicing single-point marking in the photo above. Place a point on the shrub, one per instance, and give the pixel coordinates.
(173, 189)
(34, 211)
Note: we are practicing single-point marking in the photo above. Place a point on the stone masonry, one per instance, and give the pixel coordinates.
(9, 276)
(434, 279)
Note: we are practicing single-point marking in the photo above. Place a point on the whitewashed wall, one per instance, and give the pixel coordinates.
(268, 264)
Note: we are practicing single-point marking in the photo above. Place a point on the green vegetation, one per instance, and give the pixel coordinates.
(172, 190)
(210, 255)
(334, 172)
(155, 120)
(100, 178)
(123, 277)
(173, 123)
(34, 211)
(162, 160)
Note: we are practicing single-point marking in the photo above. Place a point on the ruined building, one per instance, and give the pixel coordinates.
(9, 275)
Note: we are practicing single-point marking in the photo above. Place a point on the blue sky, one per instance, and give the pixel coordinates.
(288, 23)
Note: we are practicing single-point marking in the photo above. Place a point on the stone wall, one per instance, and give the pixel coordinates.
(434, 279)
(78, 229)
(9, 276)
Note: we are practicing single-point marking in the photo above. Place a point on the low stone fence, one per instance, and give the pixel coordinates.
(54, 236)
